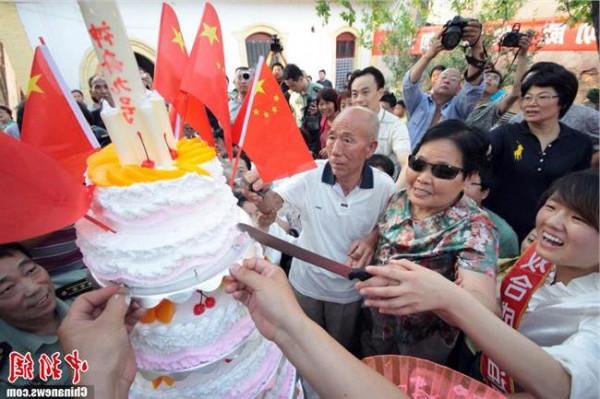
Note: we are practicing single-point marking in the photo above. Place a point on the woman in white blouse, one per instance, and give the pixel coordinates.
(554, 352)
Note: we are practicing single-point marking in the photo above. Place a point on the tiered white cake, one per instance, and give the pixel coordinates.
(174, 238)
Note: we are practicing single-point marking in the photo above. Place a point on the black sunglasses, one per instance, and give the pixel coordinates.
(439, 170)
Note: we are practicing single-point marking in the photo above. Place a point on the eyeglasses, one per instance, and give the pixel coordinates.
(541, 99)
(439, 170)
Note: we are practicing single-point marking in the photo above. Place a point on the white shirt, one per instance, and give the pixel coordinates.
(565, 322)
(331, 221)
(392, 138)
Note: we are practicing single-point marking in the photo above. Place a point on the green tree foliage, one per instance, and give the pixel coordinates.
(401, 20)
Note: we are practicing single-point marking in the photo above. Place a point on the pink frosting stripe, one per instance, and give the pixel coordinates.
(283, 387)
(194, 356)
(250, 387)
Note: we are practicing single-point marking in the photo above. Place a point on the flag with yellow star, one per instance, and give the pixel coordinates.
(204, 77)
(52, 120)
(171, 61)
(271, 137)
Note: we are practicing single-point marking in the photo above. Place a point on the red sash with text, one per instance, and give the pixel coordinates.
(517, 288)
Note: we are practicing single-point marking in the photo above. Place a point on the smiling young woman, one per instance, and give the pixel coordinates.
(549, 338)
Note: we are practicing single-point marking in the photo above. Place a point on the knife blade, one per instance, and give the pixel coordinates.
(304, 254)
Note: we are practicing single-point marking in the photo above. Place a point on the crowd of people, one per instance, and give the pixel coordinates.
(442, 196)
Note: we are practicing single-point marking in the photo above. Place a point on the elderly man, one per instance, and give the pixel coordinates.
(447, 100)
(99, 91)
(29, 313)
(340, 202)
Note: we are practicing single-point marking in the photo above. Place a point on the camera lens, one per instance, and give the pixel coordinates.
(451, 38)
(246, 76)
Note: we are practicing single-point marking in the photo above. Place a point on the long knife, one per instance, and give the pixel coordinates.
(304, 254)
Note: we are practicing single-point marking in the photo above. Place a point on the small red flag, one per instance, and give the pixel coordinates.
(272, 139)
(171, 61)
(204, 78)
(40, 195)
(52, 121)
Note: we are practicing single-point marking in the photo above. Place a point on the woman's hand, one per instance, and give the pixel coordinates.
(264, 289)
(402, 287)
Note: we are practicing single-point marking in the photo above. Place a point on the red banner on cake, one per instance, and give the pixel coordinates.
(555, 33)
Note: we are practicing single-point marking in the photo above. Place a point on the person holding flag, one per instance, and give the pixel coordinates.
(340, 202)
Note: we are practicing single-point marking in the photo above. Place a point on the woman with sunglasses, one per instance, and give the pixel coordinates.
(527, 157)
(432, 223)
(548, 340)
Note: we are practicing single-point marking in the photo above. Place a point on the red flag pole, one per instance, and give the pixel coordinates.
(258, 70)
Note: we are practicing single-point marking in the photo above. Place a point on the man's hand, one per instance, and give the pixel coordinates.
(98, 325)
(360, 253)
(524, 43)
(472, 34)
(435, 47)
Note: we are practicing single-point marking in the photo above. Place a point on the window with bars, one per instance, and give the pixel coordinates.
(344, 58)
(257, 44)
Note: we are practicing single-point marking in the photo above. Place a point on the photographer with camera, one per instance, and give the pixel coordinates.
(447, 100)
(492, 105)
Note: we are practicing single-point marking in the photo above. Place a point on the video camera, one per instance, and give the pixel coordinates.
(276, 46)
(453, 31)
(512, 38)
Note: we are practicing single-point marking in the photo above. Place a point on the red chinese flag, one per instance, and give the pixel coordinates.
(238, 124)
(272, 139)
(52, 121)
(204, 78)
(171, 61)
(40, 196)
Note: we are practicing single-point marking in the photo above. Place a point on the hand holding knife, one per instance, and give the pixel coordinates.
(304, 254)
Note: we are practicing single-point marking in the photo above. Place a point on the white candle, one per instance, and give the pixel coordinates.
(144, 141)
(155, 141)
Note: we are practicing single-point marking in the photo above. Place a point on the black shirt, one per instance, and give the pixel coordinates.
(522, 171)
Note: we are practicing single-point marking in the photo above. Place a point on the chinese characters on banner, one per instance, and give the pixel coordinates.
(553, 33)
(22, 366)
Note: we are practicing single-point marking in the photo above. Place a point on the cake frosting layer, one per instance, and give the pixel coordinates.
(244, 375)
(206, 328)
(163, 229)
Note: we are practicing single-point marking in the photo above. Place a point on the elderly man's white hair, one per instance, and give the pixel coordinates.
(369, 117)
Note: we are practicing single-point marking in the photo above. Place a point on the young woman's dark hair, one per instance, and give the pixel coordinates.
(578, 191)
(389, 98)
(344, 94)
(472, 143)
(370, 70)
(329, 95)
(551, 74)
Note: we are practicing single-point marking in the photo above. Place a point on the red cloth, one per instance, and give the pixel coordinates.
(39, 196)
(52, 121)
(204, 78)
(171, 60)
(273, 141)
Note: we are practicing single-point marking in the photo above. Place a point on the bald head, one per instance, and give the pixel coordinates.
(363, 118)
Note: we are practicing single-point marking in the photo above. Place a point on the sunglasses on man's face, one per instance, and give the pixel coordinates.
(439, 170)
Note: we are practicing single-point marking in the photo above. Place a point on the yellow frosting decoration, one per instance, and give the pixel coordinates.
(105, 170)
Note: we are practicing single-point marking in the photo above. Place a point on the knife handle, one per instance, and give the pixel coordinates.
(360, 274)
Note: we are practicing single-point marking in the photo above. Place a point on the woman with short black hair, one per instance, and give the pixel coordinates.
(433, 224)
(527, 157)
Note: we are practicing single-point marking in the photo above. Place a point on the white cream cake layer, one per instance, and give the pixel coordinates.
(245, 375)
(189, 339)
(163, 229)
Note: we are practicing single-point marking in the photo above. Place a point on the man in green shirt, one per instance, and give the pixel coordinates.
(30, 315)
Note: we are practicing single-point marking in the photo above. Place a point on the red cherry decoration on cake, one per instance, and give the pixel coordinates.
(199, 309)
(206, 302)
(209, 302)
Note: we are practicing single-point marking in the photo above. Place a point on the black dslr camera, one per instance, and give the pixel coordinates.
(453, 31)
(512, 38)
(276, 46)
